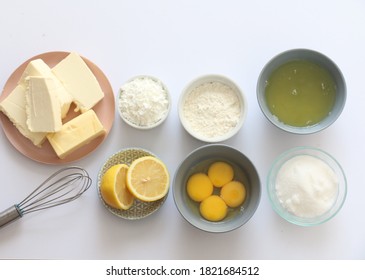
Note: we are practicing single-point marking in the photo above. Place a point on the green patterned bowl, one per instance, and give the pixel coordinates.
(139, 209)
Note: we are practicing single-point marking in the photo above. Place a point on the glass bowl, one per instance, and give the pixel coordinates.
(299, 219)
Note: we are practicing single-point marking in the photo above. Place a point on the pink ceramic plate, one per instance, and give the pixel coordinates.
(104, 109)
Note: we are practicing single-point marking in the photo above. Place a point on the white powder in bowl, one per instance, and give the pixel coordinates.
(143, 101)
(212, 109)
(306, 186)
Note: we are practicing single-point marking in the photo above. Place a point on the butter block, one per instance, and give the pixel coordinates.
(79, 81)
(43, 109)
(76, 133)
(38, 67)
(13, 106)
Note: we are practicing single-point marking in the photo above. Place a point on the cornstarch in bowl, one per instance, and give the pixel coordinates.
(144, 102)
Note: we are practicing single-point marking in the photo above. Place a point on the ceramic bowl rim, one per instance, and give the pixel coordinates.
(210, 78)
(156, 123)
(310, 55)
(209, 228)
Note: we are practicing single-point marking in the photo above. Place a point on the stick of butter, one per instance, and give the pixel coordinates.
(42, 106)
(76, 133)
(13, 106)
(38, 67)
(79, 81)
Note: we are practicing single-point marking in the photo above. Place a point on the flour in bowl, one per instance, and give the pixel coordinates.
(212, 109)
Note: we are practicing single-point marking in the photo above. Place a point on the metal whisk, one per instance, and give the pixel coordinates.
(63, 186)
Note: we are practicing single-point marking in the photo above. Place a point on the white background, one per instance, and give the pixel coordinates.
(177, 41)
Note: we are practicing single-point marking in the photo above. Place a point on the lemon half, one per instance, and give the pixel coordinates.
(113, 187)
(148, 179)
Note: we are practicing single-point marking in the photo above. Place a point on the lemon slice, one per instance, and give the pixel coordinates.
(148, 179)
(113, 187)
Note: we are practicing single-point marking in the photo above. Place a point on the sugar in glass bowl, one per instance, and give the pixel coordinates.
(212, 108)
(198, 161)
(306, 186)
(314, 61)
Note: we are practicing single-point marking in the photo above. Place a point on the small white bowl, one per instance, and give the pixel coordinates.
(210, 79)
(158, 121)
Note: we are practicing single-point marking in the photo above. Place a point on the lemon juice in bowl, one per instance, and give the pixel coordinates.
(300, 93)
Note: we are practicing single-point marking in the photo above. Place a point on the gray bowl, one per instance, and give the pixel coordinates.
(199, 161)
(313, 56)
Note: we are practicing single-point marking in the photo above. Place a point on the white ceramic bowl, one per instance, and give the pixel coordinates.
(158, 121)
(209, 79)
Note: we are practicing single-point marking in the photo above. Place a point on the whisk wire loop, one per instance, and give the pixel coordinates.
(63, 186)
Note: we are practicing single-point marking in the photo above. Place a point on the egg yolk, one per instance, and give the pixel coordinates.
(199, 187)
(233, 193)
(213, 208)
(220, 173)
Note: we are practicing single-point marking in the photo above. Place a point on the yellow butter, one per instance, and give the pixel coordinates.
(42, 106)
(79, 81)
(38, 67)
(13, 106)
(76, 133)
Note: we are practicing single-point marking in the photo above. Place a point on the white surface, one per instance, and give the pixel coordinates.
(177, 41)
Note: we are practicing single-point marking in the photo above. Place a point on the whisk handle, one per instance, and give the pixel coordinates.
(9, 215)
